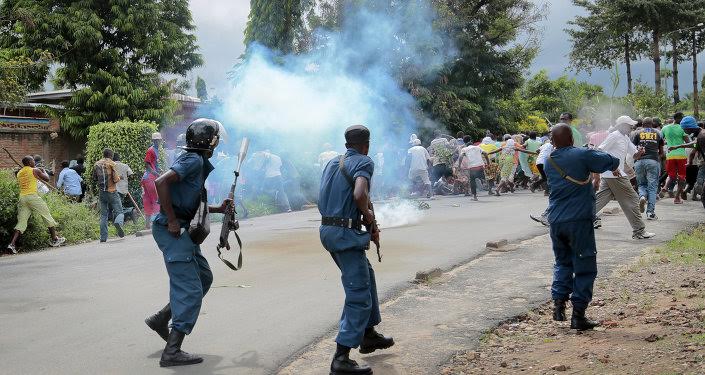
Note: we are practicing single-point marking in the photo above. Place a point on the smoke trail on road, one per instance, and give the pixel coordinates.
(397, 213)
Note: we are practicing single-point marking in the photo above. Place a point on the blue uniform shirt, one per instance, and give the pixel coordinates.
(335, 199)
(569, 202)
(70, 181)
(193, 169)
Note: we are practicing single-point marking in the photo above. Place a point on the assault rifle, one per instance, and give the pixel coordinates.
(230, 224)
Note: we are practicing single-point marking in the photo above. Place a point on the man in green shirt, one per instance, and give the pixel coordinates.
(676, 159)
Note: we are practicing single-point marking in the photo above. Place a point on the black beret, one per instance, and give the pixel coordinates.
(357, 134)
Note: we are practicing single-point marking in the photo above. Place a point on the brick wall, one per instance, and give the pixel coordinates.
(22, 142)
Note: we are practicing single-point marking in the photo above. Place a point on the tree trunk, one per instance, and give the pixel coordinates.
(656, 56)
(696, 105)
(628, 62)
(676, 93)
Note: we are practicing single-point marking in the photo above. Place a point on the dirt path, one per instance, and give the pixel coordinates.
(653, 322)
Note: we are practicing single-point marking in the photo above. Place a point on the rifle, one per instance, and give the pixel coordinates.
(230, 224)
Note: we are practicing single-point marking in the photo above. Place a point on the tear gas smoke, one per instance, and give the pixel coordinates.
(397, 213)
(293, 104)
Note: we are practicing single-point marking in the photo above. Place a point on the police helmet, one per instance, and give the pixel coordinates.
(202, 135)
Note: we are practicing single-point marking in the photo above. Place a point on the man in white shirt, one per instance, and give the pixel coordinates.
(327, 155)
(472, 161)
(615, 184)
(419, 159)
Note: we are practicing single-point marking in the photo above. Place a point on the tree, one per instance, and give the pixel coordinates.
(470, 91)
(201, 89)
(593, 39)
(273, 23)
(111, 52)
(549, 98)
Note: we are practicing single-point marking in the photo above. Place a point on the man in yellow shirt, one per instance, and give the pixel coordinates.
(30, 202)
(106, 176)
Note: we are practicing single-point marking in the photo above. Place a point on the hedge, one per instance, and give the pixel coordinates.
(131, 140)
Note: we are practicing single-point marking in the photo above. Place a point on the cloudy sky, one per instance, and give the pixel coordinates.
(221, 24)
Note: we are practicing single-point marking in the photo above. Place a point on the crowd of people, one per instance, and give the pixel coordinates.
(657, 161)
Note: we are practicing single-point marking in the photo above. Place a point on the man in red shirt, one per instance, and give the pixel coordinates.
(152, 171)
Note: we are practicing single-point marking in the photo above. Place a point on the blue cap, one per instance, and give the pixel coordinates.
(689, 122)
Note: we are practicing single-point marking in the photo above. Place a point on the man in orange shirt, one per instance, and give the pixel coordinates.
(105, 177)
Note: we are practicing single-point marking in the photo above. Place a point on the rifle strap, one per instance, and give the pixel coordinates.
(239, 256)
(565, 176)
(341, 166)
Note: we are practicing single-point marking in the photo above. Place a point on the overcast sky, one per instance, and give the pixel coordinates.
(221, 23)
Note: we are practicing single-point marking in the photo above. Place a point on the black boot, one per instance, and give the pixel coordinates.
(559, 310)
(159, 322)
(373, 341)
(343, 365)
(580, 322)
(173, 355)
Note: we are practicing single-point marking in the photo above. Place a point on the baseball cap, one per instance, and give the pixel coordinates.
(689, 122)
(625, 120)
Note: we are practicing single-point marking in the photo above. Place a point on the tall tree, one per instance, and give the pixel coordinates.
(273, 23)
(201, 89)
(111, 52)
(470, 92)
(600, 39)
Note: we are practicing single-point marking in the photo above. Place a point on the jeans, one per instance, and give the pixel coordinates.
(110, 201)
(647, 176)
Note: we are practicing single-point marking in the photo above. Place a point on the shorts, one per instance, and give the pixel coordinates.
(675, 168)
(32, 204)
(420, 173)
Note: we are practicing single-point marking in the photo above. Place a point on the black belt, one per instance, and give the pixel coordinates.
(341, 222)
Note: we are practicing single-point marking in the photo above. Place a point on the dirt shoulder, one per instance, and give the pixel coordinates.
(653, 322)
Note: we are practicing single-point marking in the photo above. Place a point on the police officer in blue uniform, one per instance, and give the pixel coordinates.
(180, 192)
(345, 208)
(571, 210)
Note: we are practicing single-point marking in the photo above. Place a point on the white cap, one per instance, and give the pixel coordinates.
(416, 142)
(156, 136)
(625, 120)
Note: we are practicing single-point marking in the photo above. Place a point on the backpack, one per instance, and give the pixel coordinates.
(101, 175)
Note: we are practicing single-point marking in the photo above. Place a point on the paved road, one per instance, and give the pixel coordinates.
(80, 309)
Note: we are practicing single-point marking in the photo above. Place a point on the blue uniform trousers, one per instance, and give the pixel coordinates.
(190, 276)
(576, 262)
(361, 308)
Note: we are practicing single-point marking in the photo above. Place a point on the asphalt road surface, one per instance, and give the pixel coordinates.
(80, 309)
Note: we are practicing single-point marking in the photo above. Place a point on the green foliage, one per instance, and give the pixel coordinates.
(273, 23)
(130, 139)
(201, 89)
(77, 222)
(533, 123)
(14, 68)
(469, 93)
(549, 98)
(111, 51)
(261, 205)
(645, 101)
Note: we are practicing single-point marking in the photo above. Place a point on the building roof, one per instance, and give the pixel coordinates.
(60, 96)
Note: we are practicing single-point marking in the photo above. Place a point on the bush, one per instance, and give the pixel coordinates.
(533, 123)
(131, 140)
(77, 222)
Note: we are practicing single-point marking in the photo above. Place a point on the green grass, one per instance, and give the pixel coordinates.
(685, 247)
